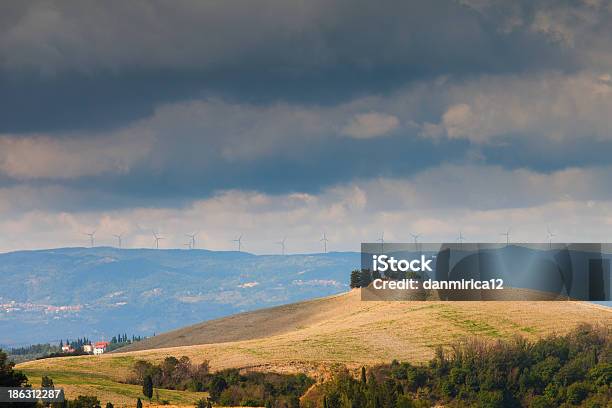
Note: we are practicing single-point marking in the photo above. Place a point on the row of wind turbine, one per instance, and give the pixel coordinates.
(191, 243)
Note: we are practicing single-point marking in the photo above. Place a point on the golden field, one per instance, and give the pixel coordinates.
(315, 335)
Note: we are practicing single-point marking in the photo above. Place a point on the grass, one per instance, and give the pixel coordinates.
(473, 326)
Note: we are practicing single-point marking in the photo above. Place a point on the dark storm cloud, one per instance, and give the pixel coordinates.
(154, 103)
(81, 64)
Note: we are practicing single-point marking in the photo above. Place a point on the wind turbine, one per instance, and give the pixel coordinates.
(282, 244)
(416, 241)
(324, 240)
(239, 241)
(192, 240)
(507, 234)
(157, 239)
(460, 238)
(550, 237)
(118, 236)
(382, 242)
(91, 236)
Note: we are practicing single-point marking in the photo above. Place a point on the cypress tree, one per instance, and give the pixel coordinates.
(139, 403)
(147, 387)
(46, 382)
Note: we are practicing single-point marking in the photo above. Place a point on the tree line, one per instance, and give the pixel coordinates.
(32, 352)
(75, 344)
(558, 371)
(123, 338)
(227, 387)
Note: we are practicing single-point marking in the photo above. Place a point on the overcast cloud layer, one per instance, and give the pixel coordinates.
(281, 119)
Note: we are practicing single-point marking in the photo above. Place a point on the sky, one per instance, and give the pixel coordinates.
(275, 119)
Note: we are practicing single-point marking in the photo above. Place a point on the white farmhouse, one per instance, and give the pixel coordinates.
(100, 347)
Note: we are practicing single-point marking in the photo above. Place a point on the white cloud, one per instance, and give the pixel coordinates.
(372, 124)
(35, 157)
(548, 107)
(479, 200)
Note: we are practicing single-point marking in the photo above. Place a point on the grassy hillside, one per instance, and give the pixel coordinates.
(314, 335)
(83, 376)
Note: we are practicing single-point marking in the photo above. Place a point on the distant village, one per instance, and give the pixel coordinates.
(12, 306)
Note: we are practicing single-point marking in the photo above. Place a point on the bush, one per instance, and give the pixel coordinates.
(601, 374)
(404, 401)
(415, 377)
(448, 389)
(577, 392)
(202, 403)
(490, 399)
(544, 371)
(539, 401)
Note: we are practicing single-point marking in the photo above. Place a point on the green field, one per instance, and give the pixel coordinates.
(78, 377)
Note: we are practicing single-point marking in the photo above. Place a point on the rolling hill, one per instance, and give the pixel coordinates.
(315, 335)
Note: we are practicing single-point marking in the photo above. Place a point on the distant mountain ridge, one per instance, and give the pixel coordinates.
(47, 295)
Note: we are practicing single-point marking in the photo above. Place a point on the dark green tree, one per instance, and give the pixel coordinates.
(139, 403)
(363, 375)
(216, 387)
(147, 387)
(355, 279)
(12, 378)
(109, 405)
(46, 382)
(366, 278)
